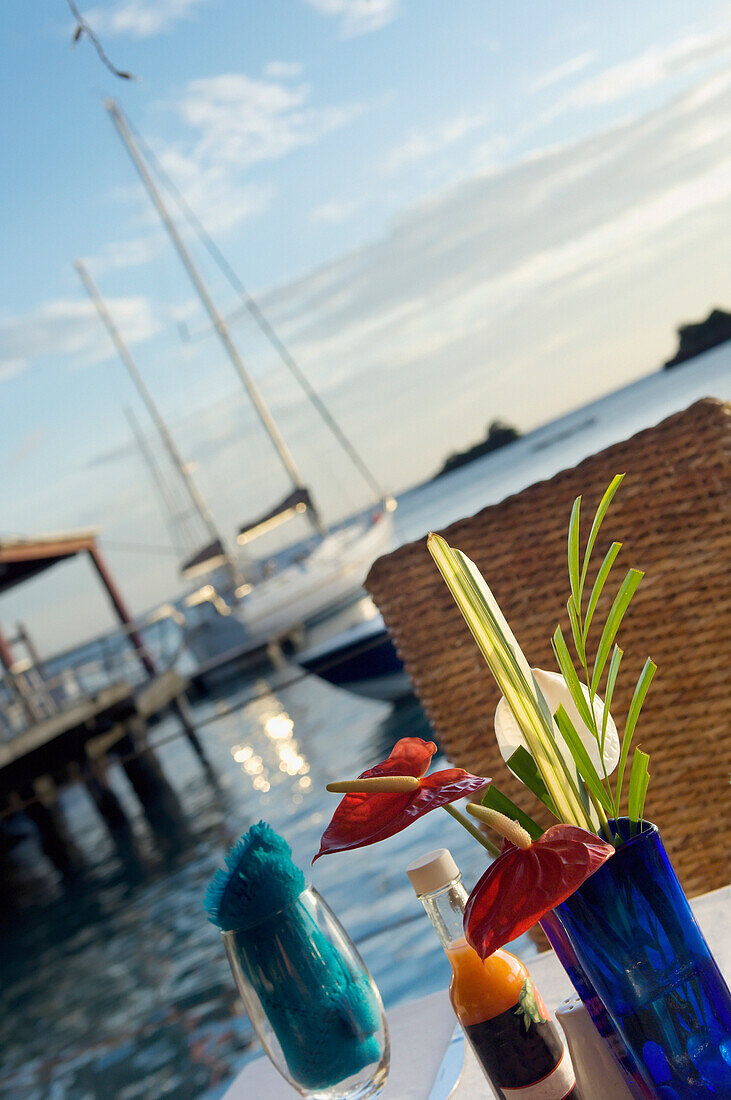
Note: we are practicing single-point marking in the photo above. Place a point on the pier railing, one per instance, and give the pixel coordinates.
(34, 690)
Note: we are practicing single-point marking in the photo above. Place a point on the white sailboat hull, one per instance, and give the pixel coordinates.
(277, 607)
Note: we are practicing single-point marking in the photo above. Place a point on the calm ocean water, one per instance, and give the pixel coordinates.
(117, 988)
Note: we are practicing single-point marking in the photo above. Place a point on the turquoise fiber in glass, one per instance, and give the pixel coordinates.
(326, 1019)
(259, 880)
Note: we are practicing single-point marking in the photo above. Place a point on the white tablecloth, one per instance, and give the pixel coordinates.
(420, 1030)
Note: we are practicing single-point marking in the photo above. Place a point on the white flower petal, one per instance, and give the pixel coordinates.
(556, 693)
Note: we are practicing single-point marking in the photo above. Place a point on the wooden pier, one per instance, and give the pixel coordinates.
(79, 744)
(50, 738)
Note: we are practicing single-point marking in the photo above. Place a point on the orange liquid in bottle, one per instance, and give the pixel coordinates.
(508, 1027)
(481, 990)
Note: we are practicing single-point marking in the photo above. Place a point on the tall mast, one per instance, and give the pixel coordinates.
(216, 318)
(192, 490)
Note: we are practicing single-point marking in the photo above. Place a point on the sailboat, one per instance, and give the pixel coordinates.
(240, 609)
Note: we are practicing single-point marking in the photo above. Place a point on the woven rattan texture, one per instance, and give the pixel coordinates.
(672, 514)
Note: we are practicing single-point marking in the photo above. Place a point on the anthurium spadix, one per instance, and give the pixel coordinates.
(514, 676)
(555, 691)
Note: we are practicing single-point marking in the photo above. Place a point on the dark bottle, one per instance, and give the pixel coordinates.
(520, 1050)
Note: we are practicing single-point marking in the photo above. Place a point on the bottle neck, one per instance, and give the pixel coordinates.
(445, 909)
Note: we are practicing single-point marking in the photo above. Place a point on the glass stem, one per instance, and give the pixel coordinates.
(472, 829)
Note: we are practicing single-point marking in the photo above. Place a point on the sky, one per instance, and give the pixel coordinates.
(451, 212)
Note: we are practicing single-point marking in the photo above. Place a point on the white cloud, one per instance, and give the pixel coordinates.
(282, 70)
(334, 212)
(140, 18)
(563, 71)
(119, 255)
(358, 16)
(70, 327)
(213, 190)
(241, 121)
(420, 144)
(654, 67)
(576, 255)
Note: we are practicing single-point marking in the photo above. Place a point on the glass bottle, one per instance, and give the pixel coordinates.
(519, 1049)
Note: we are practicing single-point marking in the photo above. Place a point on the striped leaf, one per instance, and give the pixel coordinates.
(510, 668)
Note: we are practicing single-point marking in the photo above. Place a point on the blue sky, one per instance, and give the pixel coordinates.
(451, 211)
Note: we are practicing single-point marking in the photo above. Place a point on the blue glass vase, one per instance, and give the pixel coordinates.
(561, 944)
(628, 937)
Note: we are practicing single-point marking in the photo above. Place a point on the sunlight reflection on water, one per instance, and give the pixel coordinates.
(129, 994)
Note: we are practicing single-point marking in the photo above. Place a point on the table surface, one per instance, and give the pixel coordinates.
(420, 1030)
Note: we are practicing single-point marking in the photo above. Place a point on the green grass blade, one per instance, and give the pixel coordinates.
(648, 671)
(627, 590)
(638, 698)
(614, 664)
(643, 795)
(496, 800)
(638, 782)
(581, 758)
(599, 583)
(598, 520)
(576, 630)
(522, 765)
(572, 680)
(573, 552)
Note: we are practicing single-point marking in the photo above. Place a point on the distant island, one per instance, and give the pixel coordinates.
(701, 336)
(498, 434)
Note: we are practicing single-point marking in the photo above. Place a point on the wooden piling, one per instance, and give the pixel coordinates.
(53, 834)
(112, 812)
(157, 798)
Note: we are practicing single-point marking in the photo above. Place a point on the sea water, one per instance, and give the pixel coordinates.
(117, 987)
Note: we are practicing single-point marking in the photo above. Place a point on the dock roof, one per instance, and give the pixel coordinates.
(23, 558)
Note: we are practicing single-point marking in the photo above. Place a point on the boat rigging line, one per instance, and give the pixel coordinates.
(251, 306)
(171, 511)
(209, 305)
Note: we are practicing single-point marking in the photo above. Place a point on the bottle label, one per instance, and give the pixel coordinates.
(555, 1086)
(522, 1053)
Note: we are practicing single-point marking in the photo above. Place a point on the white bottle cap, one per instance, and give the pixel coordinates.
(433, 871)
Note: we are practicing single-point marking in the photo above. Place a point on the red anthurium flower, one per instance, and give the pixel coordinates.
(524, 883)
(366, 817)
